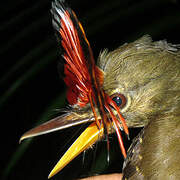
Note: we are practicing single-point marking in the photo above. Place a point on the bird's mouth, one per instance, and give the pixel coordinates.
(91, 135)
(83, 142)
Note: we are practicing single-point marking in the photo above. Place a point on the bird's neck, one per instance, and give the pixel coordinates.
(160, 148)
(155, 153)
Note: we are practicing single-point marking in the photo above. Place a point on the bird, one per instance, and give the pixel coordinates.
(135, 85)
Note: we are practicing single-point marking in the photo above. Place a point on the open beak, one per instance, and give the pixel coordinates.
(91, 134)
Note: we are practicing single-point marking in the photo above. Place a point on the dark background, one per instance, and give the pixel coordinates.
(30, 87)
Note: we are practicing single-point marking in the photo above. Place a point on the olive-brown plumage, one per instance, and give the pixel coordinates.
(148, 74)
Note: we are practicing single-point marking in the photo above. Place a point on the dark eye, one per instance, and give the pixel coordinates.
(119, 99)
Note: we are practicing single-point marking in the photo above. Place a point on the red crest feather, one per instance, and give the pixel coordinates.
(82, 77)
(73, 40)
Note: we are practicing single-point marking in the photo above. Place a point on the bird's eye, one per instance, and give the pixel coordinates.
(119, 99)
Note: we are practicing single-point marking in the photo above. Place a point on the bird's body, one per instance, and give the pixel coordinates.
(138, 82)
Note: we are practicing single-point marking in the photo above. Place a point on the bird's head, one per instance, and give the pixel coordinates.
(147, 74)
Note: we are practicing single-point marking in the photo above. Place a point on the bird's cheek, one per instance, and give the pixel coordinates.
(134, 119)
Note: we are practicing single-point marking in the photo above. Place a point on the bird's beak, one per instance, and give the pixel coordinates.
(66, 120)
(91, 134)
